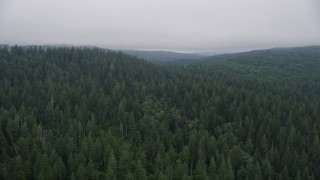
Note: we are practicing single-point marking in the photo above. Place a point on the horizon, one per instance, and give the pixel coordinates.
(202, 53)
(180, 26)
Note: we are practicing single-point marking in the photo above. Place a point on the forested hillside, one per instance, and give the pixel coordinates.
(81, 113)
(163, 56)
(286, 64)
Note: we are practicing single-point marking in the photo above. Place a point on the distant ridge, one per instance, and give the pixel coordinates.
(297, 64)
(163, 56)
(303, 49)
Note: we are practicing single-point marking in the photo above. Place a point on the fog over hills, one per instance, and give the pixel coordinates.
(162, 56)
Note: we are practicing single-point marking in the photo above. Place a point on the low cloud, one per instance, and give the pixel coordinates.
(162, 24)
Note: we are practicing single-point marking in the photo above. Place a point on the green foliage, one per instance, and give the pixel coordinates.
(80, 113)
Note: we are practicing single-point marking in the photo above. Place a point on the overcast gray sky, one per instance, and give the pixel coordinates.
(183, 25)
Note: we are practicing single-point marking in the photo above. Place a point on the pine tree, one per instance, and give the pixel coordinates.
(200, 170)
(81, 173)
(129, 176)
(258, 173)
(212, 170)
(90, 170)
(140, 172)
(60, 169)
(112, 167)
(229, 172)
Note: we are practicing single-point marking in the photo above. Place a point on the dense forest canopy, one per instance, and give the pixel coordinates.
(86, 113)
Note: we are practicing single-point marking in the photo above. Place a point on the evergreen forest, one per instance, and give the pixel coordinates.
(89, 113)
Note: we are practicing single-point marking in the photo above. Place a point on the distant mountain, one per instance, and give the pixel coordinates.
(289, 64)
(264, 52)
(163, 56)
